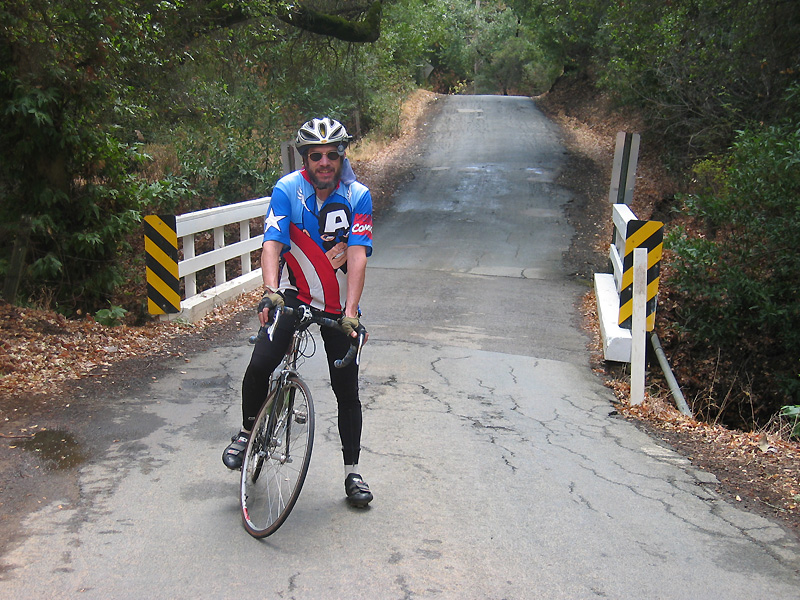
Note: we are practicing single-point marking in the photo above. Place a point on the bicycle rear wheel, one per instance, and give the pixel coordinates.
(277, 457)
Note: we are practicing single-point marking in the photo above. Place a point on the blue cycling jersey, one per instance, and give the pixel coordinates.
(315, 238)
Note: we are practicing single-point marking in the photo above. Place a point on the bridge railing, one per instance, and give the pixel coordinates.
(614, 291)
(165, 269)
(627, 297)
(188, 226)
(175, 254)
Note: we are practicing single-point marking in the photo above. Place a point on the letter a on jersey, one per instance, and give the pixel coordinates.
(336, 220)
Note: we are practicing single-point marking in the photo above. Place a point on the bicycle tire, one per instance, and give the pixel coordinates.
(276, 459)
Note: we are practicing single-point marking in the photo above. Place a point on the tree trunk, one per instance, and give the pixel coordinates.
(15, 267)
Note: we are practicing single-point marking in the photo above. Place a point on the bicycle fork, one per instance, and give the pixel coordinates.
(283, 415)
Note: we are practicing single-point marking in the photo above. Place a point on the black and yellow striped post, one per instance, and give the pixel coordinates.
(641, 234)
(161, 249)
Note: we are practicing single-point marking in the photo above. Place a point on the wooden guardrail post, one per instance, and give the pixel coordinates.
(623, 172)
(639, 325)
(290, 158)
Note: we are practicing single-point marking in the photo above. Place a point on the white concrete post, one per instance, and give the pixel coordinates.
(638, 325)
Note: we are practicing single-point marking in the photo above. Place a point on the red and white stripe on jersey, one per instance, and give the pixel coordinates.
(312, 274)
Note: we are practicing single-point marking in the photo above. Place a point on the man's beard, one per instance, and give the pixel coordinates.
(325, 185)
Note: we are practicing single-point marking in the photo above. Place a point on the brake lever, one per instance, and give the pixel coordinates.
(274, 324)
(354, 352)
(269, 329)
(361, 340)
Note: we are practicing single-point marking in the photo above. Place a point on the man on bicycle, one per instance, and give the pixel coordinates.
(317, 238)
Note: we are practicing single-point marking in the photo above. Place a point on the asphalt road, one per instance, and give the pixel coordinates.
(498, 468)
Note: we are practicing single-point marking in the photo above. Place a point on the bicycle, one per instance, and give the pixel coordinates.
(279, 450)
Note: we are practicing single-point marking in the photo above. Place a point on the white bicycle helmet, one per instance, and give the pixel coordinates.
(319, 132)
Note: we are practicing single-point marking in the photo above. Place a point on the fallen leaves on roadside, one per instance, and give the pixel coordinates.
(40, 349)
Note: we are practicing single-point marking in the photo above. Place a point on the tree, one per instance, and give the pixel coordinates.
(63, 168)
(702, 67)
(511, 58)
(76, 79)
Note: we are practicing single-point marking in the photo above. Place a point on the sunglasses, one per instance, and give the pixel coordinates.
(317, 156)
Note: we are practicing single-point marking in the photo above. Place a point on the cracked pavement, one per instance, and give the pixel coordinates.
(499, 467)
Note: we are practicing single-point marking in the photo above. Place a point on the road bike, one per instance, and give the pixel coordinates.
(279, 450)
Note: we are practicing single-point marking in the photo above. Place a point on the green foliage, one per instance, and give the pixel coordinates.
(792, 413)
(701, 67)
(738, 276)
(64, 164)
(511, 58)
(566, 28)
(110, 317)
(418, 33)
(75, 184)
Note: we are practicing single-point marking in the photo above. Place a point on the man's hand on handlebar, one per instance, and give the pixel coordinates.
(353, 328)
(349, 325)
(269, 301)
(304, 316)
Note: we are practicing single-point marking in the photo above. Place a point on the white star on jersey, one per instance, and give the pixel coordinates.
(271, 221)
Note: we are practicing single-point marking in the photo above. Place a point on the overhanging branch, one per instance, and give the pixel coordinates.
(366, 30)
(224, 13)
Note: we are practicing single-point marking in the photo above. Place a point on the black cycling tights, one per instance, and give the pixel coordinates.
(266, 357)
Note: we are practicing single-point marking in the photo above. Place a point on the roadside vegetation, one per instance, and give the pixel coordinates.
(113, 110)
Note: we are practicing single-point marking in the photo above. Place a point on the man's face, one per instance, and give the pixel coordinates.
(324, 172)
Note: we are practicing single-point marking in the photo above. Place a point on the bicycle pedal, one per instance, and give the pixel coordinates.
(300, 417)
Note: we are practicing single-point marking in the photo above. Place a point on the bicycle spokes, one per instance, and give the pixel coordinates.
(277, 459)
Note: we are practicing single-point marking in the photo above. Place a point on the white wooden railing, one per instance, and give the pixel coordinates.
(195, 305)
(188, 226)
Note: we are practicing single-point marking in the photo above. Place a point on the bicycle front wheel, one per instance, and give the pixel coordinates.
(277, 457)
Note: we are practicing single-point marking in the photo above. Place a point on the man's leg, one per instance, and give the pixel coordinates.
(345, 387)
(267, 355)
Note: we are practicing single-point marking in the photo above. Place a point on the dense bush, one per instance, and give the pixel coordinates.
(67, 176)
(737, 271)
(701, 68)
